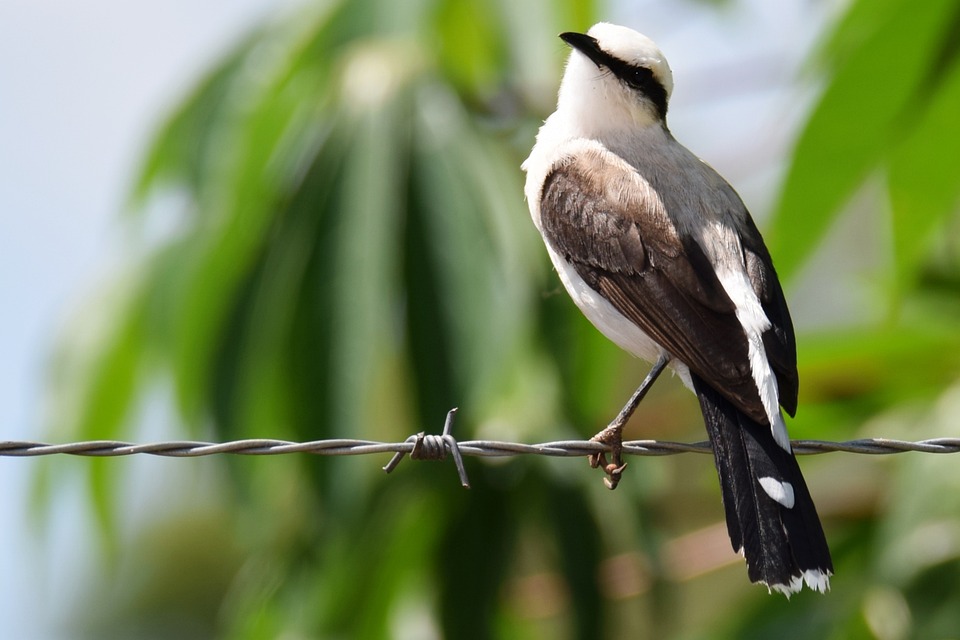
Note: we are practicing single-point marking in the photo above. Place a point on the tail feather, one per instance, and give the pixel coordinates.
(771, 517)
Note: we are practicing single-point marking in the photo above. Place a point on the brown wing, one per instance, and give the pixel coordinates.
(622, 243)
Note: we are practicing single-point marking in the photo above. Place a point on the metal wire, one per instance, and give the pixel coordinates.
(432, 447)
(481, 448)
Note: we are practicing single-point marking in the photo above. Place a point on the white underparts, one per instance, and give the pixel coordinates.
(613, 324)
(782, 492)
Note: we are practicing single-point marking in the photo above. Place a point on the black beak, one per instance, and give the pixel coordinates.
(587, 45)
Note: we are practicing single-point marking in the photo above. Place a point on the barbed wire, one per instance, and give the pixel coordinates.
(433, 447)
(477, 448)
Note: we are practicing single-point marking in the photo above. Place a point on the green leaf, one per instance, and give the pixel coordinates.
(469, 50)
(180, 151)
(923, 183)
(108, 397)
(467, 216)
(868, 369)
(869, 103)
(858, 24)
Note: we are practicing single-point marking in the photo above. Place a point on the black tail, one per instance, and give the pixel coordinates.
(773, 523)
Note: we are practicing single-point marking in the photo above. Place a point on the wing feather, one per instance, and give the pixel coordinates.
(779, 342)
(611, 226)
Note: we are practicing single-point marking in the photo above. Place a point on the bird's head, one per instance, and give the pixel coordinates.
(615, 77)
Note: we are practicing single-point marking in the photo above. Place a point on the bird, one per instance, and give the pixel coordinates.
(659, 252)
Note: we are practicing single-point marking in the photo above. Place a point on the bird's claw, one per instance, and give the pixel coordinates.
(614, 469)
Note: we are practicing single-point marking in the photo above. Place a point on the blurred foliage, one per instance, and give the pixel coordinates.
(889, 107)
(350, 256)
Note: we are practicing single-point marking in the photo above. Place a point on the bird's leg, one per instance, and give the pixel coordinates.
(613, 434)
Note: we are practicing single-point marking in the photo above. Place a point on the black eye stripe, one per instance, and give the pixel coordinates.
(638, 78)
(642, 79)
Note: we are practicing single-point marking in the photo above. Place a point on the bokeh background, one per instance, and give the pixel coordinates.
(304, 220)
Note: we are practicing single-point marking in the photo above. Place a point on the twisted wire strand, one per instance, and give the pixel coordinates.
(433, 447)
(477, 448)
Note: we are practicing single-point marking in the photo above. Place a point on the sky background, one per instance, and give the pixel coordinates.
(84, 85)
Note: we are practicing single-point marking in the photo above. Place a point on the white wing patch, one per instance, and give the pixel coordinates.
(782, 492)
(754, 321)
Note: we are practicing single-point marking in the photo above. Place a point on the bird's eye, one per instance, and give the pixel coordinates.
(638, 77)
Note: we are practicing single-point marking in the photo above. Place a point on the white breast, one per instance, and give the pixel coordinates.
(614, 325)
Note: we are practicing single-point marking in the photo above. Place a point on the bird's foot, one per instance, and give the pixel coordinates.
(613, 437)
(613, 434)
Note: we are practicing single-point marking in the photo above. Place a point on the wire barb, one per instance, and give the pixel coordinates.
(430, 447)
(427, 446)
